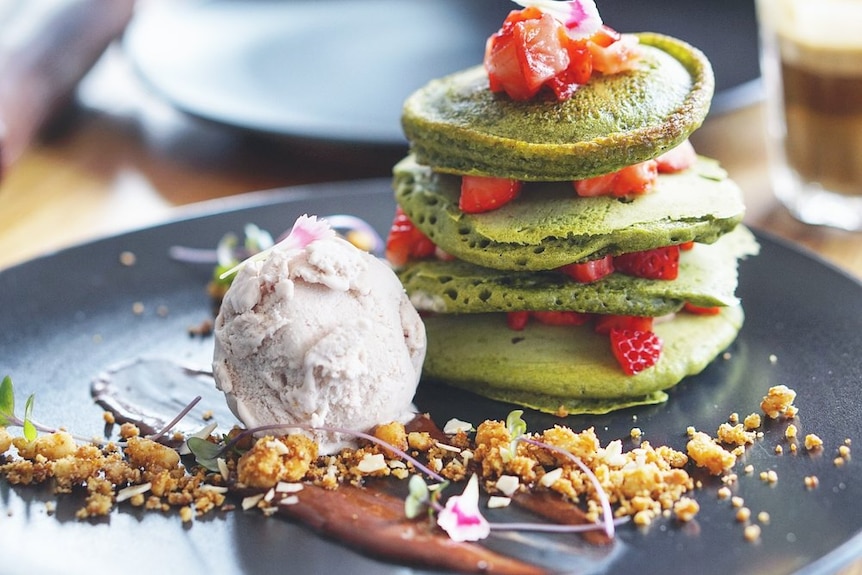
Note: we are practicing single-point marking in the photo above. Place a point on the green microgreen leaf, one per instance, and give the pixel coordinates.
(516, 424)
(7, 400)
(206, 452)
(437, 493)
(517, 428)
(418, 497)
(30, 432)
(256, 239)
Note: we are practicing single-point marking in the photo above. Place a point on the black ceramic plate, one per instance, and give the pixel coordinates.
(339, 70)
(68, 316)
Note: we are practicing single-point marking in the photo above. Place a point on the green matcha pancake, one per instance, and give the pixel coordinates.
(707, 277)
(549, 226)
(567, 370)
(457, 125)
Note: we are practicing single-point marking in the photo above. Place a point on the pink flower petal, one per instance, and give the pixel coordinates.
(308, 229)
(581, 17)
(461, 518)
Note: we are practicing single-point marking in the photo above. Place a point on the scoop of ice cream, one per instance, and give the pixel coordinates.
(319, 333)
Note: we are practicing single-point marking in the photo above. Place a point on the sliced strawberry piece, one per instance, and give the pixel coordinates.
(656, 264)
(606, 322)
(639, 178)
(677, 159)
(605, 36)
(525, 53)
(632, 180)
(589, 271)
(577, 73)
(482, 194)
(406, 241)
(517, 320)
(635, 350)
(701, 310)
(618, 56)
(597, 186)
(686, 246)
(561, 317)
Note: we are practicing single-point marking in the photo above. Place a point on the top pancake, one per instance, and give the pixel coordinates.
(457, 125)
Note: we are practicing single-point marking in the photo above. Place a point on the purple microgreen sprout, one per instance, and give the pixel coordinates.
(229, 252)
(517, 429)
(31, 428)
(185, 411)
(460, 516)
(7, 412)
(209, 456)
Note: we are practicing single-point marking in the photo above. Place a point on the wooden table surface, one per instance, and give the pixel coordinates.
(121, 159)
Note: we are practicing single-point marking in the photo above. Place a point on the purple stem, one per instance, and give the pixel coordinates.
(603, 498)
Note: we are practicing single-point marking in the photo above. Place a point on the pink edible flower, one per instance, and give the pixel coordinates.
(307, 229)
(461, 518)
(581, 17)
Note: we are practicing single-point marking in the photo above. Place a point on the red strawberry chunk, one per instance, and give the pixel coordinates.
(606, 322)
(618, 57)
(635, 350)
(677, 159)
(632, 180)
(517, 320)
(659, 263)
(525, 53)
(406, 241)
(561, 317)
(483, 194)
(701, 310)
(589, 271)
(533, 51)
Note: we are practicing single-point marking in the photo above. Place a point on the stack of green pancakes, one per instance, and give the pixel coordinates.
(507, 260)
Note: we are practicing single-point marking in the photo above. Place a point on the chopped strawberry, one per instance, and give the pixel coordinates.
(606, 322)
(598, 186)
(525, 53)
(620, 55)
(635, 179)
(701, 310)
(605, 36)
(560, 317)
(589, 271)
(677, 159)
(657, 264)
(483, 194)
(635, 350)
(517, 320)
(577, 73)
(685, 246)
(406, 241)
(534, 50)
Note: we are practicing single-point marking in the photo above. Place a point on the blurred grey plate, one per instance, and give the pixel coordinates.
(339, 70)
(67, 317)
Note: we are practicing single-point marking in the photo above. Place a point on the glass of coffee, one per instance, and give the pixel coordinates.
(811, 61)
